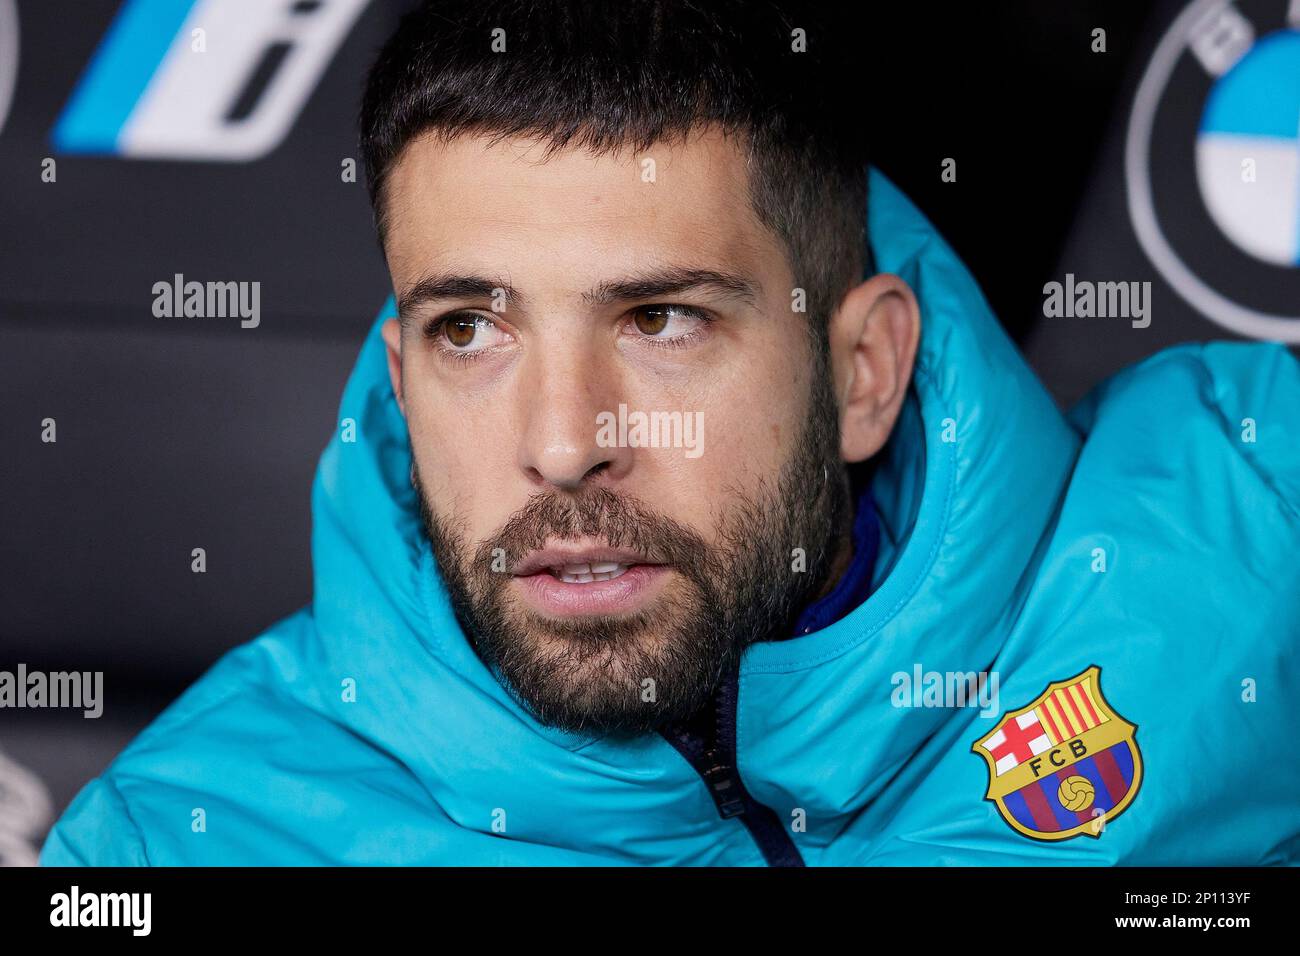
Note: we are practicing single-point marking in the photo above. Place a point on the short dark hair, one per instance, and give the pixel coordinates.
(610, 74)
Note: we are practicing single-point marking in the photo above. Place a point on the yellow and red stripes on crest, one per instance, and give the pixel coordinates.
(1070, 710)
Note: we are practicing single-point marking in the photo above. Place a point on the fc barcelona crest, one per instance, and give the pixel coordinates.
(1065, 764)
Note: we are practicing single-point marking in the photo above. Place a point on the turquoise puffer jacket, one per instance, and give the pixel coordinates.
(1127, 578)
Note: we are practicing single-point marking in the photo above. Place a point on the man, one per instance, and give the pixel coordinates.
(671, 522)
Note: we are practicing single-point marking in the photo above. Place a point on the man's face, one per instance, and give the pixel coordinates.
(548, 307)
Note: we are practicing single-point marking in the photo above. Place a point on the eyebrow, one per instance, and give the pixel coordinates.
(671, 281)
(647, 285)
(432, 288)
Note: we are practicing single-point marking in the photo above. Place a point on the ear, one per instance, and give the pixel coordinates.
(873, 339)
(391, 330)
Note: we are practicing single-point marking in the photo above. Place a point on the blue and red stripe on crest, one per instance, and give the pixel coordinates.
(1036, 806)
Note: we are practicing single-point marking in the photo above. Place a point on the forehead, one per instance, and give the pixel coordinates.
(477, 199)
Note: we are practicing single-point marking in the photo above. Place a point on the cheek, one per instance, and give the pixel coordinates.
(748, 434)
(752, 415)
(753, 409)
(464, 460)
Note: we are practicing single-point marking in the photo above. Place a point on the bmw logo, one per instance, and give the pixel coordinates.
(1212, 163)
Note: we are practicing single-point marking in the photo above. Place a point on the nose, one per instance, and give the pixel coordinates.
(564, 392)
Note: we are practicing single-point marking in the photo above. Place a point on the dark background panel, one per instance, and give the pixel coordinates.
(110, 228)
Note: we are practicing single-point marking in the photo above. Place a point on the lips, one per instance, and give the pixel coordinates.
(573, 580)
(573, 563)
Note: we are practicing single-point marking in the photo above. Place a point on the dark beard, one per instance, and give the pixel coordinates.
(635, 674)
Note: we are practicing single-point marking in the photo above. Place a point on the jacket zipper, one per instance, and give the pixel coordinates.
(708, 742)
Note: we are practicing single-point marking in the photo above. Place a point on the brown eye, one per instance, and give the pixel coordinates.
(667, 324)
(460, 331)
(651, 320)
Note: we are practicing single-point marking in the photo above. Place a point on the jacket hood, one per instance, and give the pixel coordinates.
(959, 490)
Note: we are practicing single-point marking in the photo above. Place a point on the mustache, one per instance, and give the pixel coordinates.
(618, 520)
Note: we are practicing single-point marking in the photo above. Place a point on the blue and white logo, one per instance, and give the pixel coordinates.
(202, 79)
(1248, 150)
(1212, 163)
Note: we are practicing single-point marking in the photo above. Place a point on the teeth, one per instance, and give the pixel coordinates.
(586, 573)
